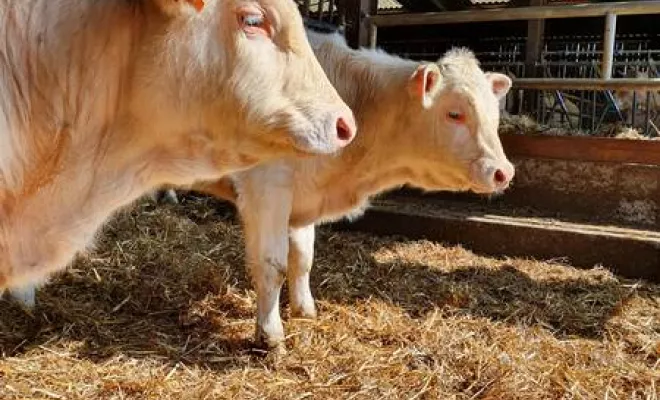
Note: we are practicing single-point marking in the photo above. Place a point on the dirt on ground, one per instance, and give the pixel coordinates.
(163, 309)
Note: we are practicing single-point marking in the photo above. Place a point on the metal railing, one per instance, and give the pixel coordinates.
(597, 110)
(330, 11)
(608, 10)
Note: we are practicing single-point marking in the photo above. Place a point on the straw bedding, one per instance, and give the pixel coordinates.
(525, 125)
(162, 309)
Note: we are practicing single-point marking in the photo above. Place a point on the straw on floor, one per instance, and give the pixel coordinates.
(162, 309)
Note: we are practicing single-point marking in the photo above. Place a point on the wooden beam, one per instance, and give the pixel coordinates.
(629, 256)
(357, 28)
(534, 43)
(519, 13)
(533, 48)
(583, 148)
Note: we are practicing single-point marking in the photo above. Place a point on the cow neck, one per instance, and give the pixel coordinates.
(377, 91)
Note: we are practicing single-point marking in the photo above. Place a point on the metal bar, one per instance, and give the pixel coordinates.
(633, 108)
(586, 84)
(373, 36)
(520, 13)
(608, 45)
(647, 126)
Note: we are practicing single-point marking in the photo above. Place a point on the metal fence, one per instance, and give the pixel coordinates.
(578, 72)
(330, 11)
(577, 57)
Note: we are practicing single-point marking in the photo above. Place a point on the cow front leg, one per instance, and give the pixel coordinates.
(265, 219)
(266, 255)
(268, 278)
(300, 260)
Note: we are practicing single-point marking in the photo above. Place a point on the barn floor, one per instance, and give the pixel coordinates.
(163, 310)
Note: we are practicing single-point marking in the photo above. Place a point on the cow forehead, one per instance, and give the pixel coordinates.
(460, 66)
(470, 83)
(473, 88)
(464, 75)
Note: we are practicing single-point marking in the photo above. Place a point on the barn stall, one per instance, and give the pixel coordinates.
(549, 291)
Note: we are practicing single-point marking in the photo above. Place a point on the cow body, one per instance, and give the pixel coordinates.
(433, 126)
(102, 101)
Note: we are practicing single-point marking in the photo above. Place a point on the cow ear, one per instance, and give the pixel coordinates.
(425, 82)
(500, 83)
(177, 7)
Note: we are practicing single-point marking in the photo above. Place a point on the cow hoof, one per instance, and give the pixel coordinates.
(25, 296)
(271, 343)
(170, 197)
(165, 196)
(304, 311)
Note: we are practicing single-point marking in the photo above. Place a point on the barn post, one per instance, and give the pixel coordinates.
(357, 29)
(533, 48)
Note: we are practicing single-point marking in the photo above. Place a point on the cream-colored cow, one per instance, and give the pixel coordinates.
(102, 101)
(429, 125)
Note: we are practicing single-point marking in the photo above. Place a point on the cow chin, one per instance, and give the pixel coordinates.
(484, 190)
(443, 180)
(314, 141)
(311, 136)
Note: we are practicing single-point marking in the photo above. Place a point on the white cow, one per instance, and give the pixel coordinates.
(430, 125)
(102, 101)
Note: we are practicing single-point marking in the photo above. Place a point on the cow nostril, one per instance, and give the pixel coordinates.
(344, 131)
(500, 177)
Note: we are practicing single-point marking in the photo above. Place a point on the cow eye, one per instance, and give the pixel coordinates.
(254, 20)
(455, 116)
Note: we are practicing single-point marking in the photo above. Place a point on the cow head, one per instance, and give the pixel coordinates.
(246, 66)
(455, 119)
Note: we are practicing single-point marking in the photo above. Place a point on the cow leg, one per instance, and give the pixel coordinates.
(25, 295)
(265, 220)
(301, 258)
(164, 196)
(266, 252)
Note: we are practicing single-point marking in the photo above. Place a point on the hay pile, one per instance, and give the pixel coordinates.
(526, 125)
(163, 310)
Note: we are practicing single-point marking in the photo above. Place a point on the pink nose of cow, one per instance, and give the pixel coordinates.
(502, 177)
(346, 129)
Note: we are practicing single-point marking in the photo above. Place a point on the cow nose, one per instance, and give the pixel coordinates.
(343, 130)
(502, 176)
(346, 129)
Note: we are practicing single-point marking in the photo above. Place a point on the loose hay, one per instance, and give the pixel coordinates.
(163, 310)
